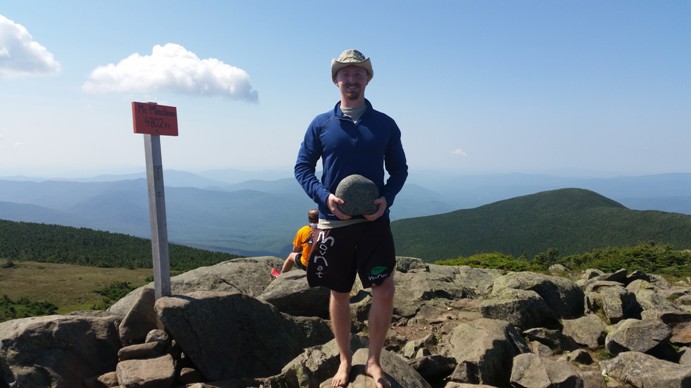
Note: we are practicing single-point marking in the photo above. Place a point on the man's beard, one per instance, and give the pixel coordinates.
(354, 93)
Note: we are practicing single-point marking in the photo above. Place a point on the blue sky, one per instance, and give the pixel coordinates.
(561, 87)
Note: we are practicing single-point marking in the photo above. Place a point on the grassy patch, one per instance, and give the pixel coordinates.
(70, 287)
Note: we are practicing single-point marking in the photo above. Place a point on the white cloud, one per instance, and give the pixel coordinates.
(171, 68)
(21, 55)
(458, 152)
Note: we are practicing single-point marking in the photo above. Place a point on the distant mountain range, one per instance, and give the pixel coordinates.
(257, 213)
(568, 220)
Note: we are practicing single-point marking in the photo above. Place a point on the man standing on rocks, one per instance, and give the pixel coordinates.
(350, 139)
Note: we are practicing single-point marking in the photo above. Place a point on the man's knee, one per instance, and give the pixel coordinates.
(340, 297)
(385, 290)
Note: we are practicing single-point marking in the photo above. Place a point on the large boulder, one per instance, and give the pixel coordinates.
(588, 330)
(150, 372)
(57, 350)
(649, 297)
(643, 370)
(484, 350)
(250, 276)
(291, 294)
(140, 319)
(637, 335)
(532, 371)
(613, 300)
(232, 335)
(523, 308)
(561, 295)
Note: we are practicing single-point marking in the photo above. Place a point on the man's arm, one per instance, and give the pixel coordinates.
(305, 167)
(397, 167)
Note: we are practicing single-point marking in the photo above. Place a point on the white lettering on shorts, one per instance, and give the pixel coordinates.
(323, 244)
(378, 272)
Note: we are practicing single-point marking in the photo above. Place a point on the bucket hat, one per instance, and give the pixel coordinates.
(351, 57)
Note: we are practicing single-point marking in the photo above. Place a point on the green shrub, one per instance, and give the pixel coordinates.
(492, 260)
(112, 293)
(23, 307)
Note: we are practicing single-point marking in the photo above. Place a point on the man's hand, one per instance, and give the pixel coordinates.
(332, 202)
(381, 208)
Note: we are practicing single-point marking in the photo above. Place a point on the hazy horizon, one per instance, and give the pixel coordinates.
(281, 173)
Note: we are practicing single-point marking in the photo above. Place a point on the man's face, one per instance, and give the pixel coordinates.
(351, 80)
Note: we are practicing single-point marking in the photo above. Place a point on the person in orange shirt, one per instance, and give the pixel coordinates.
(302, 244)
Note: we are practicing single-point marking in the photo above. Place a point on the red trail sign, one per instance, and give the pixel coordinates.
(153, 119)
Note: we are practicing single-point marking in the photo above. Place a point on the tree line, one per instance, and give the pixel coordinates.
(81, 246)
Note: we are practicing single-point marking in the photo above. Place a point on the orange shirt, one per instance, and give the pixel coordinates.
(303, 240)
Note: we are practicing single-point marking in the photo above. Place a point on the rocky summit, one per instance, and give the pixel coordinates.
(232, 325)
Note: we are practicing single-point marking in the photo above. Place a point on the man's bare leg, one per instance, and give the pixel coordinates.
(339, 310)
(288, 263)
(379, 321)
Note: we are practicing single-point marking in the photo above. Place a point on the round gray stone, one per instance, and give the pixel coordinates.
(358, 194)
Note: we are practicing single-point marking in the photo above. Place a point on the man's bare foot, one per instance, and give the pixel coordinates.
(374, 370)
(340, 379)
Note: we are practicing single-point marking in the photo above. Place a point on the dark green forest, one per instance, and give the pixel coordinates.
(82, 246)
(570, 221)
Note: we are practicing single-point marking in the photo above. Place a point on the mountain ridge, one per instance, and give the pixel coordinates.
(238, 204)
(569, 220)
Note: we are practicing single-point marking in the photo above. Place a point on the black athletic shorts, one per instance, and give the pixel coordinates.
(366, 249)
(298, 262)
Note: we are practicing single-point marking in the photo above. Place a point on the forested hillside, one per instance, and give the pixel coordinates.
(568, 220)
(81, 246)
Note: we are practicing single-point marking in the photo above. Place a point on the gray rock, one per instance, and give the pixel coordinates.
(407, 264)
(57, 351)
(588, 330)
(561, 295)
(291, 294)
(435, 367)
(637, 335)
(648, 297)
(140, 319)
(313, 366)
(211, 327)
(358, 194)
(532, 371)
(153, 372)
(615, 301)
(109, 379)
(398, 372)
(412, 347)
(145, 350)
(247, 275)
(685, 358)
(540, 349)
(484, 350)
(680, 323)
(554, 339)
(580, 356)
(479, 280)
(643, 370)
(523, 308)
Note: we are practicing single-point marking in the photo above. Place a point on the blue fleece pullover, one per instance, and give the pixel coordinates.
(346, 148)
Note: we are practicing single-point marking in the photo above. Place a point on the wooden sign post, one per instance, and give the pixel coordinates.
(154, 120)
